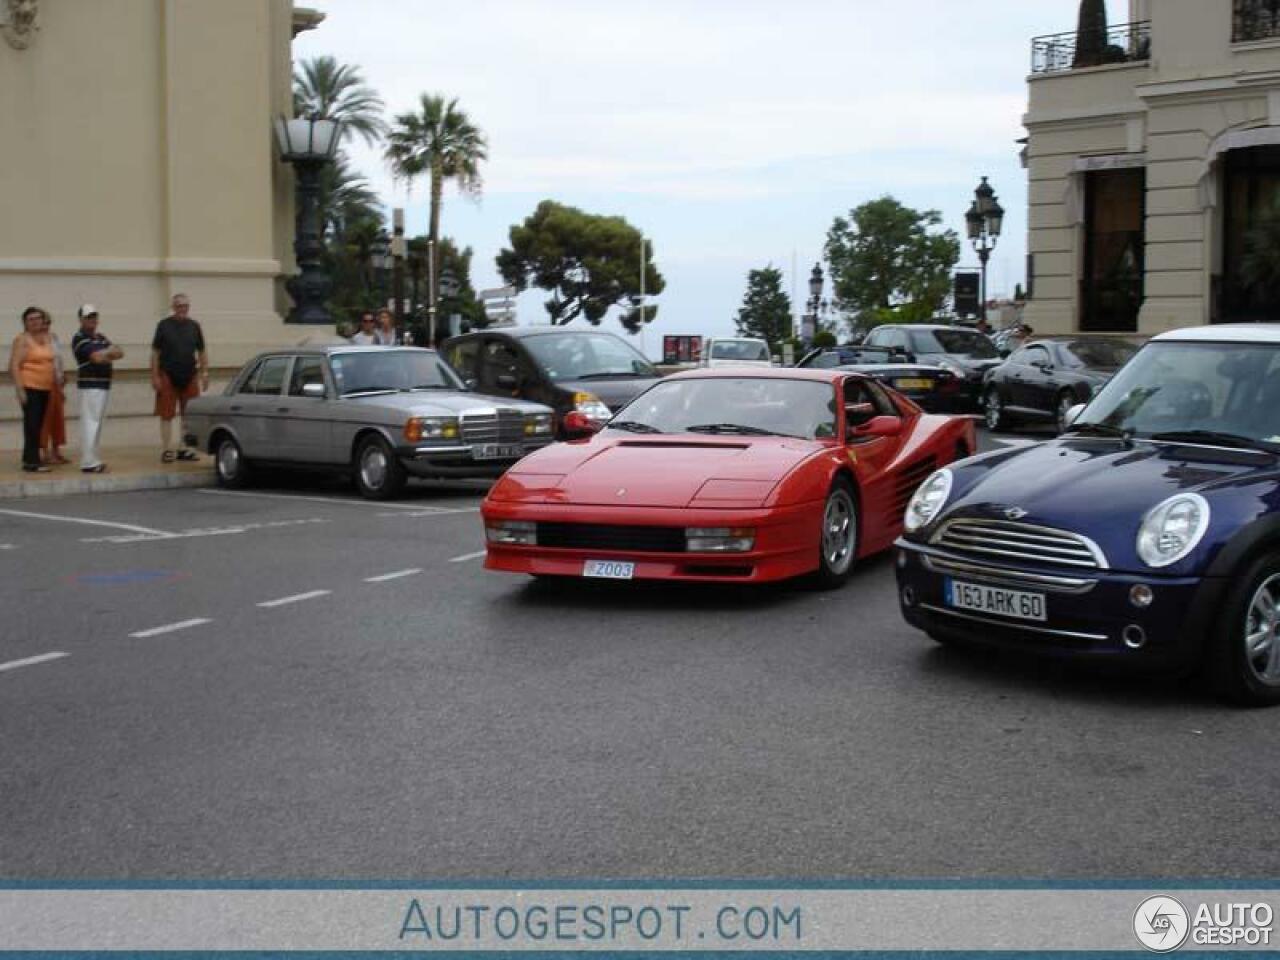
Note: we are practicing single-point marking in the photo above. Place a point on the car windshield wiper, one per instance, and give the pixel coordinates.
(1215, 438)
(367, 391)
(1101, 430)
(634, 426)
(609, 376)
(739, 428)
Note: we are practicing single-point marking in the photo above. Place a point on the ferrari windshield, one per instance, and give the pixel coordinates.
(378, 371)
(1185, 391)
(733, 405)
(581, 356)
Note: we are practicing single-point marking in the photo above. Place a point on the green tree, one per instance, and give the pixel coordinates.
(438, 141)
(886, 264)
(323, 87)
(454, 262)
(766, 310)
(588, 262)
(1091, 34)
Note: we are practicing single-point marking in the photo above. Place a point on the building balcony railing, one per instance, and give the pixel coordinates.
(1255, 20)
(1060, 52)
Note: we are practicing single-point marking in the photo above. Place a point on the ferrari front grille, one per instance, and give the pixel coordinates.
(594, 536)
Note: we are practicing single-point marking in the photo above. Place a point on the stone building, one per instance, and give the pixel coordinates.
(1153, 156)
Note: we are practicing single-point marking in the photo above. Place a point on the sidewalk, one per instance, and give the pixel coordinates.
(129, 468)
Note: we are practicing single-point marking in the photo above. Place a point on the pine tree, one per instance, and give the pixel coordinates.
(766, 310)
(1091, 34)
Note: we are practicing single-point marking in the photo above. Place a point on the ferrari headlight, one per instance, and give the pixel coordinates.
(719, 539)
(536, 424)
(928, 500)
(591, 406)
(417, 429)
(1171, 529)
(524, 532)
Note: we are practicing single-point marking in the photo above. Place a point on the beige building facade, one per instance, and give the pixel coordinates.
(1153, 160)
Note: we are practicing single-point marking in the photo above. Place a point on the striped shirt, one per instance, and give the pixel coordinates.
(91, 376)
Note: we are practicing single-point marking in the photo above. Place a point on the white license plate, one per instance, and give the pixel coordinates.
(997, 600)
(608, 569)
(495, 451)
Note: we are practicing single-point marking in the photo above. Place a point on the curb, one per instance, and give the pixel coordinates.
(105, 483)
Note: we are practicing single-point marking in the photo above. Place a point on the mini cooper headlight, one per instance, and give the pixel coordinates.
(928, 500)
(417, 429)
(536, 424)
(1171, 529)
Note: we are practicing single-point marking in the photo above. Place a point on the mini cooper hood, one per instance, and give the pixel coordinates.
(441, 403)
(658, 472)
(1096, 487)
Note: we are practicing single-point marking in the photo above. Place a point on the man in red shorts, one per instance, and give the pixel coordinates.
(179, 371)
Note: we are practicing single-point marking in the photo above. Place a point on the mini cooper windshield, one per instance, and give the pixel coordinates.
(1217, 394)
(741, 406)
(391, 371)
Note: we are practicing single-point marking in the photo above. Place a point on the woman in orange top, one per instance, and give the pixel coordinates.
(53, 432)
(31, 365)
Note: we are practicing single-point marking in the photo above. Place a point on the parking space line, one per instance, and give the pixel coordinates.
(383, 578)
(32, 661)
(416, 507)
(296, 598)
(94, 523)
(468, 556)
(170, 628)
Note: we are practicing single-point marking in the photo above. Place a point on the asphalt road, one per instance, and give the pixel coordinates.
(296, 684)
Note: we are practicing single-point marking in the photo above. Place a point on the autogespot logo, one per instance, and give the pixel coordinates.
(1161, 924)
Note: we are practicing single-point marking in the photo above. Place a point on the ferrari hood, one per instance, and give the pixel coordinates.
(653, 472)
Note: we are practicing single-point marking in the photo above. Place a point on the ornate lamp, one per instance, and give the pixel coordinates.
(308, 144)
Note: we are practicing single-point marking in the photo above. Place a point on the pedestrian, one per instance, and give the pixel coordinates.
(31, 366)
(94, 355)
(366, 336)
(385, 335)
(53, 432)
(179, 371)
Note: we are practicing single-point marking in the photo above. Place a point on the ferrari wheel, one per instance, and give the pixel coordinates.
(839, 541)
(995, 416)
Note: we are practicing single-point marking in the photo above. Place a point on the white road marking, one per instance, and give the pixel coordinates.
(383, 578)
(468, 556)
(207, 531)
(95, 523)
(8, 546)
(170, 628)
(296, 598)
(390, 508)
(32, 661)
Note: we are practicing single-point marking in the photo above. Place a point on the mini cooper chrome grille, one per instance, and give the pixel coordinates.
(493, 426)
(1019, 541)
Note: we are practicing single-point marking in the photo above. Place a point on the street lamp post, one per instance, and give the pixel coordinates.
(984, 221)
(809, 329)
(398, 251)
(380, 258)
(308, 144)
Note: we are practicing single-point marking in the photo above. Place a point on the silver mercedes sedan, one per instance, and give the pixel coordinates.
(382, 413)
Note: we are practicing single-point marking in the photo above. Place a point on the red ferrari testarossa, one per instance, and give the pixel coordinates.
(724, 475)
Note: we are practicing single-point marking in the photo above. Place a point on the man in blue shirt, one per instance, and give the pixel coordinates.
(94, 355)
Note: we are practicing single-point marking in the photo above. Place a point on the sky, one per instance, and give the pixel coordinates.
(732, 132)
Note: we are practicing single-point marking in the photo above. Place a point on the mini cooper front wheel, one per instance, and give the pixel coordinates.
(379, 475)
(1244, 659)
(838, 543)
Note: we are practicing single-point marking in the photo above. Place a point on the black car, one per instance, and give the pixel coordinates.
(583, 375)
(935, 389)
(1044, 379)
(966, 353)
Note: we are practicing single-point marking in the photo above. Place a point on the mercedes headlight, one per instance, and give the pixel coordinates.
(537, 424)
(928, 500)
(417, 429)
(1171, 529)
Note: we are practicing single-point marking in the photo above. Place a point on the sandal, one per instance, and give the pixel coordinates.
(168, 456)
(187, 455)
(100, 468)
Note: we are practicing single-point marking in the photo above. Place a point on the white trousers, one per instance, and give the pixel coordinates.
(93, 409)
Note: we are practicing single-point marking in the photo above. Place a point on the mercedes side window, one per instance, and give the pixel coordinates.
(306, 370)
(246, 385)
(269, 377)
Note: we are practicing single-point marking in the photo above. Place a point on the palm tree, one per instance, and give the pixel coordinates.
(441, 141)
(322, 87)
(345, 196)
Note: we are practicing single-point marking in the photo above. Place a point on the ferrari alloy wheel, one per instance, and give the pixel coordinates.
(230, 467)
(379, 475)
(1244, 660)
(1066, 400)
(839, 546)
(994, 410)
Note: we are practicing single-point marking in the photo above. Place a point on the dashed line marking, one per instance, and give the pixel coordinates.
(8, 546)
(32, 661)
(468, 556)
(296, 598)
(170, 628)
(95, 523)
(383, 578)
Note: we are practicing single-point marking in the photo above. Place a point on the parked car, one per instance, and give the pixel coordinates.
(964, 351)
(724, 475)
(583, 375)
(936, 389)
(736, 352)
(1147, 535)
(1049, 376)
(382, 413)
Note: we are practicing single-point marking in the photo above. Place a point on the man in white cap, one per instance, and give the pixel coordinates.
(94, 355)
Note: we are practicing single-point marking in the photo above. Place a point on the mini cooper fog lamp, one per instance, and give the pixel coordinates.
(536, 424)
(523, 532)
(417, 429)
(719, 539)
(1141, 596)
(1171, 529)
(928, 500)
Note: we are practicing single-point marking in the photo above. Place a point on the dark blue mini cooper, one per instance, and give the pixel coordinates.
(1147, 534)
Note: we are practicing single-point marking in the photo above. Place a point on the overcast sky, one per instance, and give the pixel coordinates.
(731, 131)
